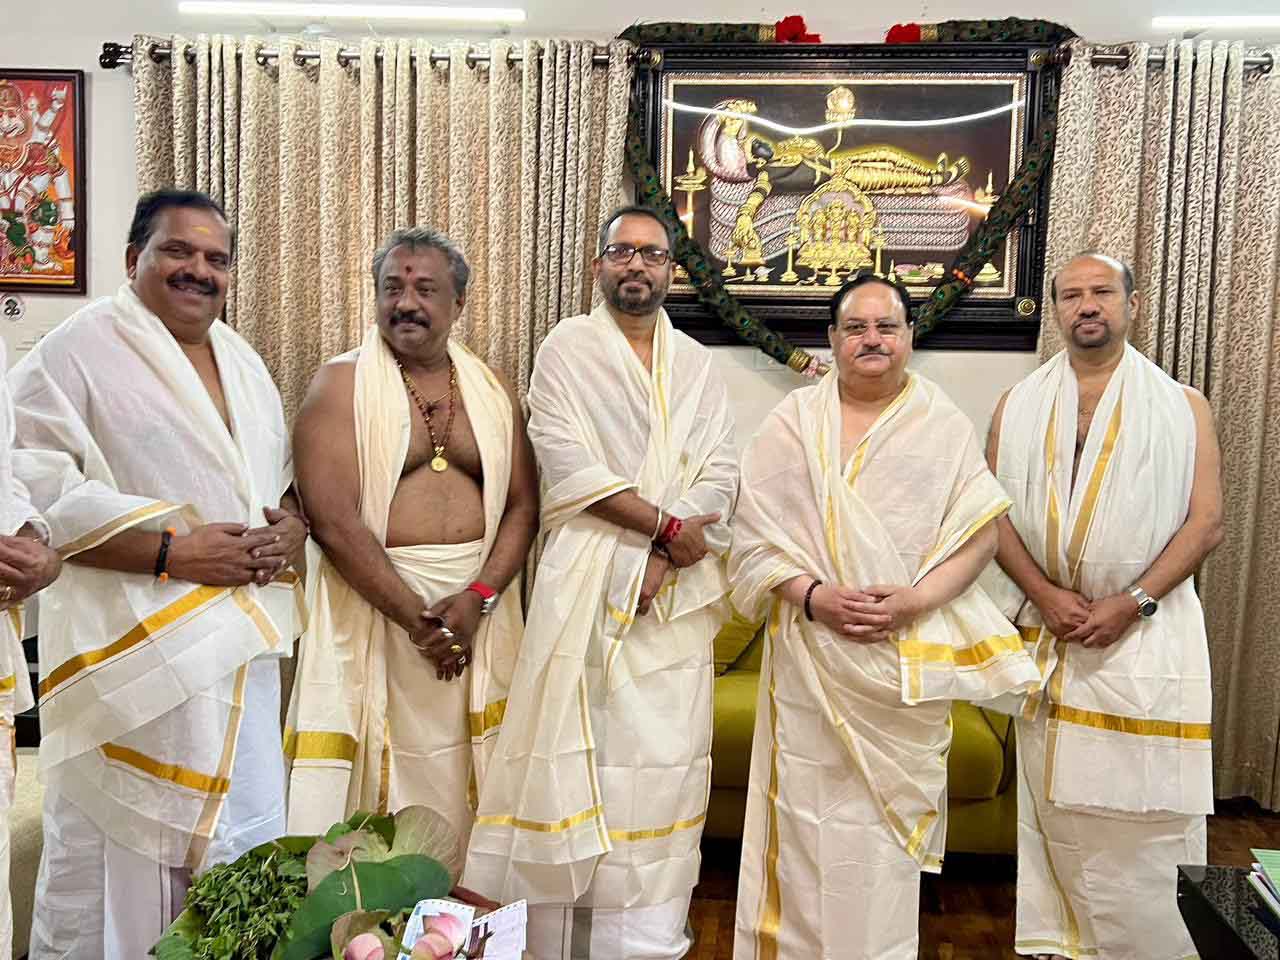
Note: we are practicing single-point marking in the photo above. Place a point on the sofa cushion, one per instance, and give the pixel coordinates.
(735, 718)
(734, 637)
(976, 764)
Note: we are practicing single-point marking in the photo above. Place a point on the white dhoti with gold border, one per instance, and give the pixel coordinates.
(846, 802)
(1115, 773)
(594, 806)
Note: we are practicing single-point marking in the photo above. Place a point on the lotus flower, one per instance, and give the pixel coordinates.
(366, 946)
(442, 936)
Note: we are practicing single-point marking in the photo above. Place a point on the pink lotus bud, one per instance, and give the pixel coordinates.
(365, 946)
(433, 945)
(451, 926)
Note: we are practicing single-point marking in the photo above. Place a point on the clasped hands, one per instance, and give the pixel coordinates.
(683, 550)
(234, 554)
(27, 566)
(445, 632)
(869, 615)
(1091, 623)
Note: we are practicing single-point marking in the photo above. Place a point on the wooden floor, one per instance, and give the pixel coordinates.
(967, 912)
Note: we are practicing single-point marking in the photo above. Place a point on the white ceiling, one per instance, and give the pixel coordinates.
(836, 20)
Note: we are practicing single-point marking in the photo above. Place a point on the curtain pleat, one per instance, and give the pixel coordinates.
(316, 163)
(1174, 170)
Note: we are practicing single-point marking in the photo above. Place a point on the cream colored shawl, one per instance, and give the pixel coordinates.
(118, 432)
(914, 491)
(15, 502)
(338, 716)
(600, 423)
(1129, 724)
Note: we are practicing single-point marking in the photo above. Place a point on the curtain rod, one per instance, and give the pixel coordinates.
(114, 54)
(1155, 58)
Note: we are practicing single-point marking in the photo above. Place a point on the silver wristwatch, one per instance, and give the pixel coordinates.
(1147, 605)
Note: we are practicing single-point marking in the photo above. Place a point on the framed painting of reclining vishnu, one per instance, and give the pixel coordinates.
(793, 166)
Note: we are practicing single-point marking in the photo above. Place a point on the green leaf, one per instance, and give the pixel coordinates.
(356, 846)
(422, 830)
(336, 831)
(383, 826)
(393, 884)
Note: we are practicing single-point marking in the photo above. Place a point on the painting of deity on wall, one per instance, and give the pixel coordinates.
(42, 175)
(792, 170)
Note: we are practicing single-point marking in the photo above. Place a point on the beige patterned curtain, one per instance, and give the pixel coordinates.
(516, 158)
(1175, 168)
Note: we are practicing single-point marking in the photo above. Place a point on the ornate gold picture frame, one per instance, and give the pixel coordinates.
(793, 167)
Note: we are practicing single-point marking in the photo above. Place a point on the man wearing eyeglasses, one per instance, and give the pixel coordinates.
(596, 813)
(152, 440)
(864, 519)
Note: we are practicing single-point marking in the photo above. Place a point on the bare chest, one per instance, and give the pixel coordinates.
(1088, 403)
(206, 367)
(854, 425)
(454, 443)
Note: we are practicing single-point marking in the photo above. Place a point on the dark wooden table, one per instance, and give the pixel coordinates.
(1225, 916)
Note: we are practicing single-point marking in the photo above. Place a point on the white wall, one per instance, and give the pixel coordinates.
(973, 379)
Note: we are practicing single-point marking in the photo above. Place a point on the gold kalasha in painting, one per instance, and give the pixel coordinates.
(792, 178)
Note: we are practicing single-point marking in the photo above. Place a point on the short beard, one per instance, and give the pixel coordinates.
(1103, 341)
(636, 306)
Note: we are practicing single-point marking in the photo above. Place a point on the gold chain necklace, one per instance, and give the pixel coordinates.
(438, 462)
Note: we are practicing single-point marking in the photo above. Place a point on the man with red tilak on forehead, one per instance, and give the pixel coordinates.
(1113, 468)
(421, 487)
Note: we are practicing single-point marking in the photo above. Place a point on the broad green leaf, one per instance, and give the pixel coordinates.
(422, 830)
(177, 942)
(356, 846)
(382, 825)
(336, 831)
(393, 884)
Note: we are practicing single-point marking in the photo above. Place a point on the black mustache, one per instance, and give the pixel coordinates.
(204, 285)
(408, 316)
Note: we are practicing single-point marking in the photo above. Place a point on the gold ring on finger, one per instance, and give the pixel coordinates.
(456, 648)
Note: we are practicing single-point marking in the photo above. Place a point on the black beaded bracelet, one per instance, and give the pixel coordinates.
(162, 558)
(808, 596)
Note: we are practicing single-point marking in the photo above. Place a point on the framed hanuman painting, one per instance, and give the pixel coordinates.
(793, 166)
(42, 176)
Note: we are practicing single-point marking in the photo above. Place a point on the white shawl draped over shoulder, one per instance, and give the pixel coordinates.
(1128, 725)
(339, 739)
(541, 813)
(913, 492)
(117, 432)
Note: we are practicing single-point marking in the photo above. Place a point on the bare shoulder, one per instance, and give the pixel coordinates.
(331, 388)
(1199, 402)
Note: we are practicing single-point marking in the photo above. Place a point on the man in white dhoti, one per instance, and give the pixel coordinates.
(27, 565)
(422, 490)
(1114, 472)
(153, 442)
(865, 517)
(594, 805)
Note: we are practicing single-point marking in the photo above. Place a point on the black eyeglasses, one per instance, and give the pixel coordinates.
(622, 253)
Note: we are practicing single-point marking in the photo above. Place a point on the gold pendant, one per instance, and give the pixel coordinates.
(439, 464)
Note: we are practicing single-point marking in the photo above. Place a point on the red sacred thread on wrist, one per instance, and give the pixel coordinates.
(483, 589)
(670, 531)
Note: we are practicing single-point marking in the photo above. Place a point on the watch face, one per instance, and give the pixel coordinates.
(1147, 608)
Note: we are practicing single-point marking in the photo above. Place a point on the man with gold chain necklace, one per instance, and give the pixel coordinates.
(1113, 468)
(414, 463)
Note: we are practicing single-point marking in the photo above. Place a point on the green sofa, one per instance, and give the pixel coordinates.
(982, 814)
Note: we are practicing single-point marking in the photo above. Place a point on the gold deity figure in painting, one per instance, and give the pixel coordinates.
(829, 208)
